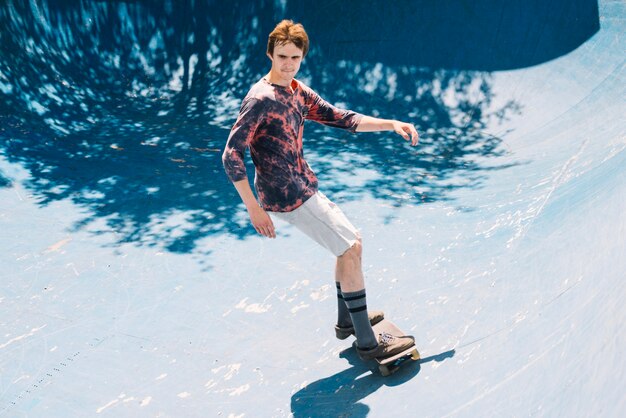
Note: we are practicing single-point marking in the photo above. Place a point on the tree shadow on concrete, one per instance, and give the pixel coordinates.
(340, 395)
(5, 181)
(124, 107)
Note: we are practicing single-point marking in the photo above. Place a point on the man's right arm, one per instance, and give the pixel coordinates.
(258, 216)
(239, 139)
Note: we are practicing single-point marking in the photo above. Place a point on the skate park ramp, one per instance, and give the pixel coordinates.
(134, 286)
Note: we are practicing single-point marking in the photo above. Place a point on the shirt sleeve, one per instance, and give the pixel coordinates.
(323, 112)
(239, 140)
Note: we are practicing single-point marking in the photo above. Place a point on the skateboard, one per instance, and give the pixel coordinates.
(390, 365)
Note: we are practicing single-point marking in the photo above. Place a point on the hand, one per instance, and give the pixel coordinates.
(406, 131)
(262, 221)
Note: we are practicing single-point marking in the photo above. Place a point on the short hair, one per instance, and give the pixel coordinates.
(288, 31)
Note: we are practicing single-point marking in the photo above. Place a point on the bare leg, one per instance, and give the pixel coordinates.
(348, 271)
(350, 276)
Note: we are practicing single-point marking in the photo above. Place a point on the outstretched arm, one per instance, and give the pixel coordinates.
(404, 129)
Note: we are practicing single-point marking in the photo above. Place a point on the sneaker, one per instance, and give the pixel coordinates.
(344, 332)
(388, 346)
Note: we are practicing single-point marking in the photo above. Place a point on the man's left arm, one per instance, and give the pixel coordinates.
(404, 129)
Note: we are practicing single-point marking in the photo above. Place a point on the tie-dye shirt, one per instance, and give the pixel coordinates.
(270, 124)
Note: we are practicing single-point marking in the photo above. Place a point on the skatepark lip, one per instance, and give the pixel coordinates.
(133, 284)
(482, 36)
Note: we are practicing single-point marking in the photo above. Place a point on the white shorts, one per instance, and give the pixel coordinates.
(324, 222)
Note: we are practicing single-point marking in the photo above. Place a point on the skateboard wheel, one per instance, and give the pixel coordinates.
(415, 355)
(384, 370)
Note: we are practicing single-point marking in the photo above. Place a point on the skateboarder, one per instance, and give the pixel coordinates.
(270, 124)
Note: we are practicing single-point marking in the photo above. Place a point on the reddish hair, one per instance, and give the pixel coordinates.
(288, 31)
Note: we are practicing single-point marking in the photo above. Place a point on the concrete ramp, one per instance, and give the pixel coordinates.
(133, 286)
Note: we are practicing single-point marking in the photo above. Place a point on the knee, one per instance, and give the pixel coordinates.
(355, 251)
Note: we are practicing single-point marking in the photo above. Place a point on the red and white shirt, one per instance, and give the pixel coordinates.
(270, 124)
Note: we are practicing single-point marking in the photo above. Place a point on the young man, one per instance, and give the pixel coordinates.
(270, 124)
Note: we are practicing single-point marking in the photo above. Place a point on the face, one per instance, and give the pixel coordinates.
(285, 62)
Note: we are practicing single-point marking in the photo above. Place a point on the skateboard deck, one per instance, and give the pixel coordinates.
(390, 365)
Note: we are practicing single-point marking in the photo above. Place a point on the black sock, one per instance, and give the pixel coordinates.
(343, 315)
(357, 306)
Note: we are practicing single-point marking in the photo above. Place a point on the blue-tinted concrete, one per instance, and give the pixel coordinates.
(133, 286)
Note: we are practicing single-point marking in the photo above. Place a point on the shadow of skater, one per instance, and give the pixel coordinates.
(339, 395)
